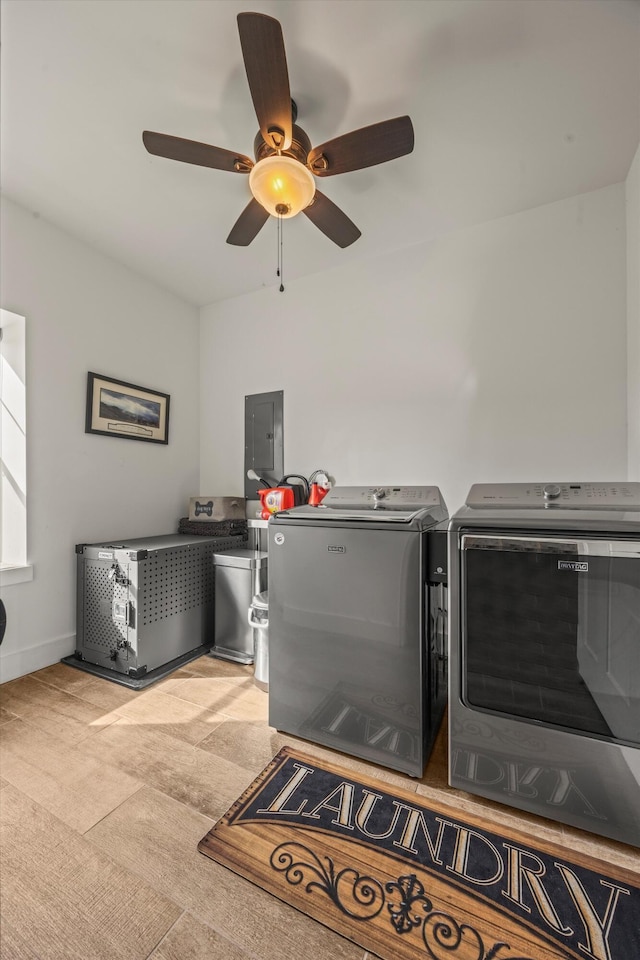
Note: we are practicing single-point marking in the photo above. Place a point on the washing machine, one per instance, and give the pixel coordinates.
(544, 687)
(357, 622)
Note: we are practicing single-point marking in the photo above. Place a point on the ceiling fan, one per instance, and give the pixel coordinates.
(282, 176)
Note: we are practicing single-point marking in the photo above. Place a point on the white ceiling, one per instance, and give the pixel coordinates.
(515, 103)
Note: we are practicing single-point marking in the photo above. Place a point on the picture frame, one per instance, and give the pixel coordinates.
(116, 408)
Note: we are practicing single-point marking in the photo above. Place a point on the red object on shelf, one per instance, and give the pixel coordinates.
(317, 494)
(274, 499)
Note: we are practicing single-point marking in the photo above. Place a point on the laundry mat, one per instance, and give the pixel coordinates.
(404, 879)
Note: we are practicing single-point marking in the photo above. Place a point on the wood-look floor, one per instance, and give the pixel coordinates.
(105, 793)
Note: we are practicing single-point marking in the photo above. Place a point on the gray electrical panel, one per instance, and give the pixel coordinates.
(144, 606)
(264, 441)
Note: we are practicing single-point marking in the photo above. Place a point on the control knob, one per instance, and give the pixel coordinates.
(379, 494)
(552, 491)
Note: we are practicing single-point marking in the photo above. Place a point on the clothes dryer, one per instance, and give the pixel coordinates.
(544, 699)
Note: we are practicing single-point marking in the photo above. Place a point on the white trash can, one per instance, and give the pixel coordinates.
(259, 620)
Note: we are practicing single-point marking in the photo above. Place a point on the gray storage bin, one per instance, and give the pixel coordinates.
(239, 575)
(144, 605)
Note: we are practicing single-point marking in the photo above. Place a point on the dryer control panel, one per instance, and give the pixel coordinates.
(577, 496)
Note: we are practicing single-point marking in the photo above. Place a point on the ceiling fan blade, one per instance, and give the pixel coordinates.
(331, 220)
(190, 151)
(363, 148)
(248, 225)
(265, 63)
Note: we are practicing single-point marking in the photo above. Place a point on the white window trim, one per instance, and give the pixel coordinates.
(10, 574)
(15, 568)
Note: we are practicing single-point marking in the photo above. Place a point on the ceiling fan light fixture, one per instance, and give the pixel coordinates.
(280, 183)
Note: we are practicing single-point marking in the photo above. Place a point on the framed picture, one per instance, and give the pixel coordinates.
(119, 409)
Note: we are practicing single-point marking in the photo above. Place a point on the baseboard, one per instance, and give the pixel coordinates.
(17, 663)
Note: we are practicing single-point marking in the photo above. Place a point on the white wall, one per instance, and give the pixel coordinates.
(633, 313)
(496, 353)
(86, 312)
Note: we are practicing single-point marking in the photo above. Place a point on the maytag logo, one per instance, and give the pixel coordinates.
(333, 549)
(579, 566)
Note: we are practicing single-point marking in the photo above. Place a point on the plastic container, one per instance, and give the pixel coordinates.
(259, 621)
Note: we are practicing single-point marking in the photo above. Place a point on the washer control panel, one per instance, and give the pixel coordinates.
(392, 498)
(577, 496)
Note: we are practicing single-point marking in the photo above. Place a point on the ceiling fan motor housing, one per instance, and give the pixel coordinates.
(299, 149)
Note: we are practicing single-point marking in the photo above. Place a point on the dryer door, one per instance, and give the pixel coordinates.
(551, 631)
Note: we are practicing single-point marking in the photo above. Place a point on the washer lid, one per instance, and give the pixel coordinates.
(327, 514)
(396, 505)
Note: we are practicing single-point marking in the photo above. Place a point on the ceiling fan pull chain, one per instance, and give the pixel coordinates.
(280, 269)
